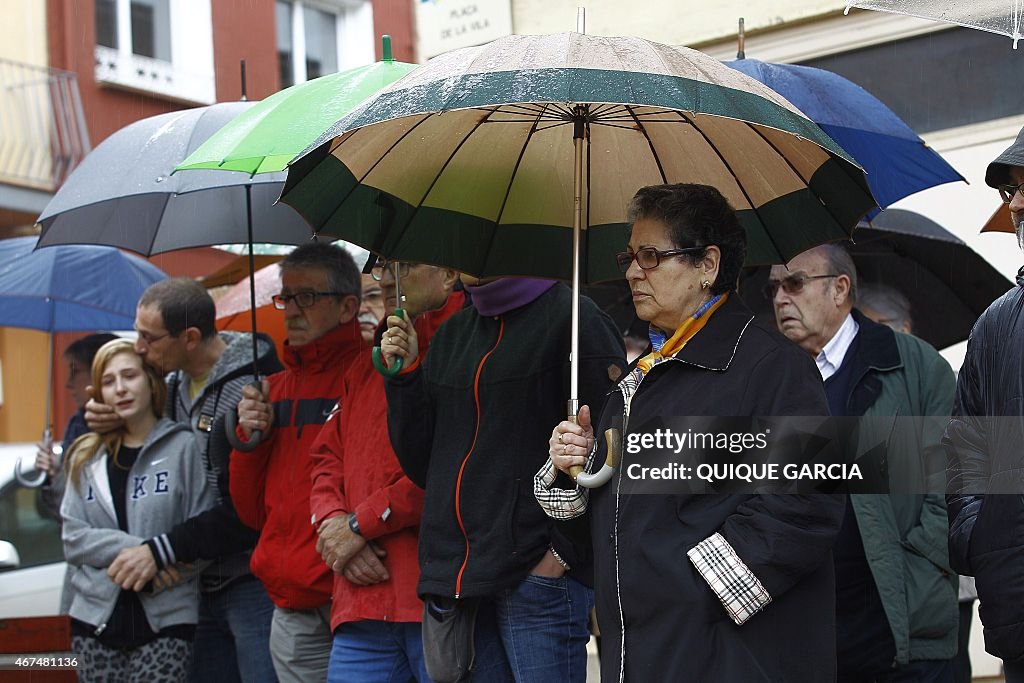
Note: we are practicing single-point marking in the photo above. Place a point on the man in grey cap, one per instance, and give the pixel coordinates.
(984, 447)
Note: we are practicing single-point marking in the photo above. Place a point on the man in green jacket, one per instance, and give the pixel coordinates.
(896, 597)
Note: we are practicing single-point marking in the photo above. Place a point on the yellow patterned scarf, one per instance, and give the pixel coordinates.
(690, 327)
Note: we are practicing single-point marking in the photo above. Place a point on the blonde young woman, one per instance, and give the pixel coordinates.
(127, 488)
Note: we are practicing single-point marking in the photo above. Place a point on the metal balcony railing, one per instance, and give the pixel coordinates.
(42, 127)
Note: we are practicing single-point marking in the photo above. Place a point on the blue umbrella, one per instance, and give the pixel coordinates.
(898, 162)
(68, 288)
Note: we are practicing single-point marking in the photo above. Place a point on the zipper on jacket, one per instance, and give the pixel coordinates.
(465, 459)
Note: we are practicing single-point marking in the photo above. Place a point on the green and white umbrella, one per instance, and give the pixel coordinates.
(519, 157)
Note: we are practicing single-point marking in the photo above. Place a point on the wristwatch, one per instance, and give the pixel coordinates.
(353, 524)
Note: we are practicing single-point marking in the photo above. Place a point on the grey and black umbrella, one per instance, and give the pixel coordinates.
(124, 194)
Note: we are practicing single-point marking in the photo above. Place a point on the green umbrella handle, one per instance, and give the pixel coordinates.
(231, 429)
(378, 359)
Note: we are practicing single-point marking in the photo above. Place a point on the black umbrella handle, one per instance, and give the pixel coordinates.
(231, 429)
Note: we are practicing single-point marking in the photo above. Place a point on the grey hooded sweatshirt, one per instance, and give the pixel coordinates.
(166, 485)
(217, 534)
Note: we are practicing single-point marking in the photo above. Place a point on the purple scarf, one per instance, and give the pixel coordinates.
(501, 296)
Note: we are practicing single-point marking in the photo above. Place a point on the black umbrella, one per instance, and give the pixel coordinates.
(947, 283)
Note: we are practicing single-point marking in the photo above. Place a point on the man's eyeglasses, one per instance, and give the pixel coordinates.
(302, 299)
(1007, 191)
(793, 284)
(151, 339)
(649, 257)
(377, 272)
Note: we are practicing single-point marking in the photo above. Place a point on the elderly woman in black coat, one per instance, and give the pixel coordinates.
(704, 587)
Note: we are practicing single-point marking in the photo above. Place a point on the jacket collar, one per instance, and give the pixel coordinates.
(426, 323)
(713, 347)
(328, 350)
(238, 354)
(876, 347)
(875, 351)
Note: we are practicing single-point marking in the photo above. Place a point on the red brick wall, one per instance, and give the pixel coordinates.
(71, 39)
(244, 29)
(395, 18)
(241, 29)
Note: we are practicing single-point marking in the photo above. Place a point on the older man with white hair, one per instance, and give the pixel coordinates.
(896, 599)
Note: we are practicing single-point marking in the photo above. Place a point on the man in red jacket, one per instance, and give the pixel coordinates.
(270, 486)
(367, 512)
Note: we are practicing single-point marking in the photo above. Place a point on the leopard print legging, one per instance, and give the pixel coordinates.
(164, 660)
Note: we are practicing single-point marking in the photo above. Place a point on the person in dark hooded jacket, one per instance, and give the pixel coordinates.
(985, 448)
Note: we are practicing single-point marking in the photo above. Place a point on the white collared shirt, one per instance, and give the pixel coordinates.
(831, 357)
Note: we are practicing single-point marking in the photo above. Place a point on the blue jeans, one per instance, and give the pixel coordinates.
(534, 633)
(232, 642)
(377, 652)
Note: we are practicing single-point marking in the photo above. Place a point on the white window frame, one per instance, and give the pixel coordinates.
(188, 77)
(354, 33)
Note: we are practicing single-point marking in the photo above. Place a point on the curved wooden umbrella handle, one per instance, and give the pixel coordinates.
(575, 470)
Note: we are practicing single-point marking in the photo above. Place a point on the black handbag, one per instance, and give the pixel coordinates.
(448, 648)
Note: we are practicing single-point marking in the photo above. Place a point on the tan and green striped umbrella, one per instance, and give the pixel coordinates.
(486, 158)
(469, 160)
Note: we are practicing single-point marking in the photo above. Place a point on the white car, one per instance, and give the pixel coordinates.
(31, 554)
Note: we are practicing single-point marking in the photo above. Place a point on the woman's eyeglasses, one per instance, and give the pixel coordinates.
(1007, 191)
(793, 284)
(302, 299)
(649, 257)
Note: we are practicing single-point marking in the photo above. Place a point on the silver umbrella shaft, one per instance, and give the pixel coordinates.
(577, 234)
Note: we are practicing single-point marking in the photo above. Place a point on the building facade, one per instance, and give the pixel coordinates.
(75, 71)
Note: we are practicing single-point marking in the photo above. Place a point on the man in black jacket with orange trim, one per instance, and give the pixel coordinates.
(471, 425)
